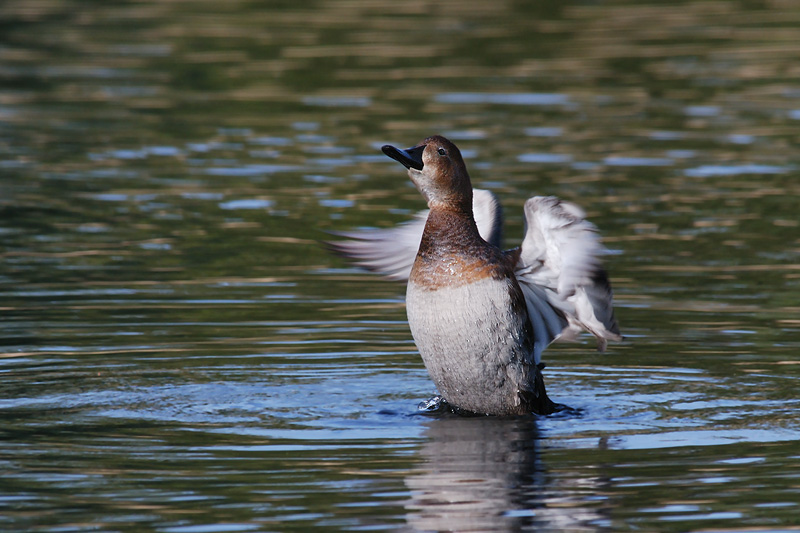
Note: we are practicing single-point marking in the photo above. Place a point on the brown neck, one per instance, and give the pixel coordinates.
(450, 231)
(453, 253)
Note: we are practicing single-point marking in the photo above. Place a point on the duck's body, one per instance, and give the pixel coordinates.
(468, 318)
(481, 316)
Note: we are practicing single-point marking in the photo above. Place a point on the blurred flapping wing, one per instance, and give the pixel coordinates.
(561, 275)
(391, 252)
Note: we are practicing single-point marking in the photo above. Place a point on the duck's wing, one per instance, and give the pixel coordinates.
(561, 275)
(488, 215)
(391, 252)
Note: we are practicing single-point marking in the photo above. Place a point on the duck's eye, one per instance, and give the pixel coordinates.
(442, 151)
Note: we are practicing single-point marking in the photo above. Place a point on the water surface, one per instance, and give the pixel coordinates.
(180, 354)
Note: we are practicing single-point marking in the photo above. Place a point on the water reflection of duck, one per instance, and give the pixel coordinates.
(488, 474)
(473, 472)
(481, 317)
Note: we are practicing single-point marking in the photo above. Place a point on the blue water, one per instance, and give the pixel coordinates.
(179, 352)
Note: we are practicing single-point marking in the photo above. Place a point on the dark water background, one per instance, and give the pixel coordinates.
(180, 355)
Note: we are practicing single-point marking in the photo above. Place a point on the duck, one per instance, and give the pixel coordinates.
(479, 315)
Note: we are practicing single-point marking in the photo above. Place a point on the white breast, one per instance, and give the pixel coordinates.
(474, 342)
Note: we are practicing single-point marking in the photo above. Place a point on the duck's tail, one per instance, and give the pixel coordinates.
(536, 399)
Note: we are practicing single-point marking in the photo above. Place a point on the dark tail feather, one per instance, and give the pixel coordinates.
(537, 399)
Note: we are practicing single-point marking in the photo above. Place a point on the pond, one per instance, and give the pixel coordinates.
(181, 353)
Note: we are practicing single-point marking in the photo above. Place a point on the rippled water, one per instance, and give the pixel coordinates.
(180, 354)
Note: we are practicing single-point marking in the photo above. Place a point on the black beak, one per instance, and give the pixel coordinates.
(411, 158)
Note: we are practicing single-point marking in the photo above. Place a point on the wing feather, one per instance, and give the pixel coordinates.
(392, 251)
(560, 257)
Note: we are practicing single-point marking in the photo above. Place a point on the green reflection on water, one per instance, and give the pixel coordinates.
(179, 350)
